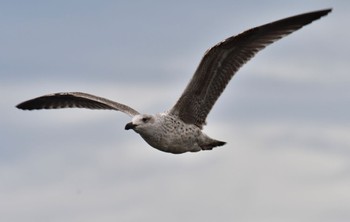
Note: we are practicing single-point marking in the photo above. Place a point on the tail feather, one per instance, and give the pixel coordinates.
(212, 144)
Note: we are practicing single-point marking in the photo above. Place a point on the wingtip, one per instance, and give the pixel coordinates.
(325, 11)
(19, 106)
(23, 106)
(328, 10)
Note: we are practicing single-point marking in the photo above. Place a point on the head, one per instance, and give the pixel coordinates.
(140, 122)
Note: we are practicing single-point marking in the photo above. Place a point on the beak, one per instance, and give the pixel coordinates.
(130, 126)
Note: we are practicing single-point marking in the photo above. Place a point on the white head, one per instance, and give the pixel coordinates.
(140, 122)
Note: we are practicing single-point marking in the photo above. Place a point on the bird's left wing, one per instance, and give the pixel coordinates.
(223, 60)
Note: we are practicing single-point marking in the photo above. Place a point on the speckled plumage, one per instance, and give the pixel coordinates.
(168, 133)
(179, 130)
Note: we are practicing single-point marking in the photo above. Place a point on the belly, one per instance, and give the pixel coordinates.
(174, 142)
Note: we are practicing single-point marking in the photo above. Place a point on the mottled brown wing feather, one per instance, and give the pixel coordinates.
(74, 100)
(223, 60)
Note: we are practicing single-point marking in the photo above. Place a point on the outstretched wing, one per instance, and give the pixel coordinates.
(223, 60)
(74, 100)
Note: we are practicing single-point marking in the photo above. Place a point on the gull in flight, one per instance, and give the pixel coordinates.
(179, 129)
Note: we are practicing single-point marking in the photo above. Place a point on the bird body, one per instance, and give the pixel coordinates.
(179, 130)
(168, 133)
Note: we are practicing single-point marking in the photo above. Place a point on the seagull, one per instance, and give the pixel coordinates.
(179, 129)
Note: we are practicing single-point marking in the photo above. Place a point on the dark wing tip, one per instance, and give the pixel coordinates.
(327, 10)
(28, 105)
(51, 101)
(21, 106)
(310, 16)
(318, 14)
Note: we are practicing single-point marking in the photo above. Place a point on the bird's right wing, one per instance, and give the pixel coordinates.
(75, 100)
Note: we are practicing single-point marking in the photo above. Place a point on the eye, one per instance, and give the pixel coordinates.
(145, 119)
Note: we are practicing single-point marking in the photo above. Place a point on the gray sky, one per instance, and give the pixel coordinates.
(284, 116)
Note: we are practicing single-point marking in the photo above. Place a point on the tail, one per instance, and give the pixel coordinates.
(211, 143)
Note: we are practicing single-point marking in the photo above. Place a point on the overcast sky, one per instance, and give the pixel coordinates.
(284, 116)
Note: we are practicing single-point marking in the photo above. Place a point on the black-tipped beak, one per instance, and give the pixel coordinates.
(130, 126)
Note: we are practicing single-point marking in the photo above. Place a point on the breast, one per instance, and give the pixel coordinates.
(174, 140)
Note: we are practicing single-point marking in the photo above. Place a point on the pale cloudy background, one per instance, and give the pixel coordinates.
(285, 115)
